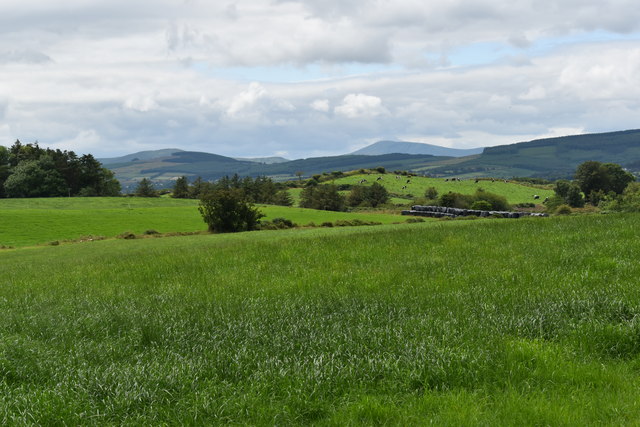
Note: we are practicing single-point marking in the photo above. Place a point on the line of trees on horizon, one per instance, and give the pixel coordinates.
(27, 170)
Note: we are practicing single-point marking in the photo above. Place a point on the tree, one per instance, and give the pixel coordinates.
(145, 189)
(299, 175)
(4, 168)
(569, 192)
(35, 178)
(227, 211)
(431, 193)
(594, 176)
(181, 188)
(323, 197)
(373, 195)
(282, 198)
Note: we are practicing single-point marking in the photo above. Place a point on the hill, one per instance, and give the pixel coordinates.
(549, 157)
(140, 156)
(389, 147)
(164, 170)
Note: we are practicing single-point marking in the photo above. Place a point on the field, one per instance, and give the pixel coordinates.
(487, 322)
(513, 191)
(26, 222)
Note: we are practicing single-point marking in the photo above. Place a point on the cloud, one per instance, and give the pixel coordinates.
(360, 105)
(143, 75)
(23, 57)
(321, 105)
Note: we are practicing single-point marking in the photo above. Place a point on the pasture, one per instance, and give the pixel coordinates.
(514, 192)
(25, 222)
(507, 322)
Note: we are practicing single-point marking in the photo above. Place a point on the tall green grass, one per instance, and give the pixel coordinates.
(525, 322)
(25, 222)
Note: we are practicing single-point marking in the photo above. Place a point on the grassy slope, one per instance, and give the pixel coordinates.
(514, 192)
(35, 221)
(521, 322)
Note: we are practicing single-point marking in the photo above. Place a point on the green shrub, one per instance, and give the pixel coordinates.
(481, 205)
(497, 202)
(431, 193)
(227, 211)
(563, 210)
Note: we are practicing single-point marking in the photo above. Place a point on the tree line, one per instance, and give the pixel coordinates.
(27, 170)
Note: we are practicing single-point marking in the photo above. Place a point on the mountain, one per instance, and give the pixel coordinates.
(389, 147)
(164, 170)
(549, 157)
(140, 156)
(265, 160)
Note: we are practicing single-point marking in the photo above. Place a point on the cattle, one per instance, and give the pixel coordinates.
(446, 180)
(404, 187)
(379, 178)
(477, 180)
(408, 181)
(536, 197)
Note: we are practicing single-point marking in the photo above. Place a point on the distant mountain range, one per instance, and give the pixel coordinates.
(550, 158)
(387, 147)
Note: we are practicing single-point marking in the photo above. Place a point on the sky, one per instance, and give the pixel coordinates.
(306, 78)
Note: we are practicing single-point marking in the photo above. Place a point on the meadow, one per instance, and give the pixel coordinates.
(515, 192)
(488, 322)
(25, 222)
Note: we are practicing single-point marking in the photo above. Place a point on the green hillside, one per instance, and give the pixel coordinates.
(164, 170)
(514, 192)
(496, 322)
(552, 157)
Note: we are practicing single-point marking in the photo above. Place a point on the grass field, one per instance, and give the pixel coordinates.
(498, 322)
(26, 222)
(513, 191)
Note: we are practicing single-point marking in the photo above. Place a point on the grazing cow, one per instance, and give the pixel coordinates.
(379, 178)
(493, 180)
(536, 197)
(476, 180)
(404, 187)
(546, 199)
(408, 181)
(446, 180)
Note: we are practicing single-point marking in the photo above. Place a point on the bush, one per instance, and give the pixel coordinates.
(150, 232)
(481, 205)
(381, 169)
(277, 224)
(497, 202)
(127, 235)
(563, 209)
(431, 193)
(227, 211)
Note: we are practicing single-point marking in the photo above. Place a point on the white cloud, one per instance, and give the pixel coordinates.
(321, 105)
(360, 105)
(147, 74)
